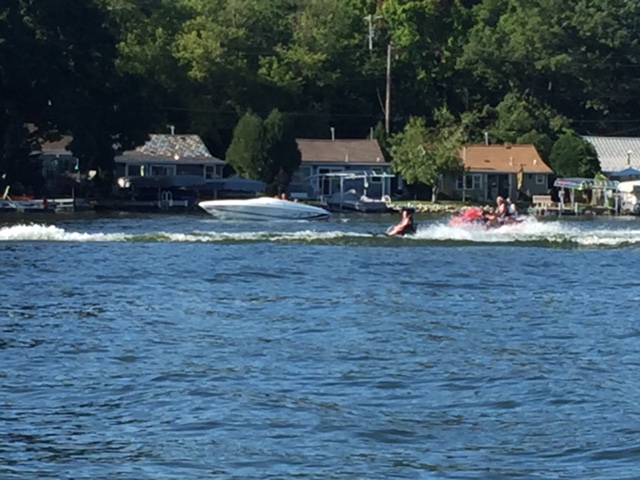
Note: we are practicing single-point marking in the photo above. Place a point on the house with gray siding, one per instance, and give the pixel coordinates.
(324, 156)
(170, 155)
(492, 170)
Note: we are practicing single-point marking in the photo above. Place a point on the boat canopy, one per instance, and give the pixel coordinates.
(627, 172)
(585, 184)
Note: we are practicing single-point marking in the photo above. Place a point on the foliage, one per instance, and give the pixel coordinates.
(111, 71)
(246, 154)
(423, 155)
(264, 149)
(572, 156)
(283, 155)
(57, 62)
(522, 119)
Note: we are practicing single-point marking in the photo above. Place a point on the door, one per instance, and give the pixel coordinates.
(498, 184)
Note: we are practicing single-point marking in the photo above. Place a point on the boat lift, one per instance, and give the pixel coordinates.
(365, 175)
(581, 184)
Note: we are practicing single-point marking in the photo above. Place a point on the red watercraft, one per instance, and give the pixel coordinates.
(476, 216)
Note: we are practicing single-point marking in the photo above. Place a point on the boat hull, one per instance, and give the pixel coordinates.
(263, 209)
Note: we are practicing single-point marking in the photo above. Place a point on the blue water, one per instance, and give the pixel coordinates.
(168, 347)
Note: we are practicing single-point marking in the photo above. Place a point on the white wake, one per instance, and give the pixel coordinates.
(589, 234)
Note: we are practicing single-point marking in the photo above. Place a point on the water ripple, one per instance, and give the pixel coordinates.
(339, 357)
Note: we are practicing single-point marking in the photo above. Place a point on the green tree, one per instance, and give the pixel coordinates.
(58, 64)
(571, 156)
(521, 119)
(246, 154)
(566, 55)
(264, 149)
(283, 155)
(424, 155)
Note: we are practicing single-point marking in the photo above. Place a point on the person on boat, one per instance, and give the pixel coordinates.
(406, 226)
(512, 211)
(499, 214)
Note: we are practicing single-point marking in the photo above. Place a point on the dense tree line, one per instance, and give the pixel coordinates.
(111, 71)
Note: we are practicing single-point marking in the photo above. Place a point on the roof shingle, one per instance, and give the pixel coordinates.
(171, 149)
(503, 158)
(340, 151)
(164, 145)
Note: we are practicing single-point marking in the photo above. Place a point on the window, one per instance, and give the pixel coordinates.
(210, 171)
(302, 175)
(477, 181)
(540, 179)
(188, 169)
(472, 182)
(162, 170)
(329, 185)
(134, 170)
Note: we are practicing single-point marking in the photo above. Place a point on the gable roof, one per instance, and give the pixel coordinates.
(169, 148)
(360, 151)
(616, 153)
(503, 158)
(159, 147)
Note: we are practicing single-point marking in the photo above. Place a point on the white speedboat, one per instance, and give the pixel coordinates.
(263, 208)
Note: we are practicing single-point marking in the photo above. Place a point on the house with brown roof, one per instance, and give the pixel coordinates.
(492, 170)
(324, 156)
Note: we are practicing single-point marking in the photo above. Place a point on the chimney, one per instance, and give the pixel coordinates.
(173, 129)
(346, 157)
(511, 161)
(486, 138)
(535, 161)
(333, 133)
(371, 133)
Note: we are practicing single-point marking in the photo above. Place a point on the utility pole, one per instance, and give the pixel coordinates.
(387, 102)
(371, 31)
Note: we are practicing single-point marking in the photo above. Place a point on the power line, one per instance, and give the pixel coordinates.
(298, 113)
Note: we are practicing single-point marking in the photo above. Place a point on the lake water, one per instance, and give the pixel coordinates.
(170, 347)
